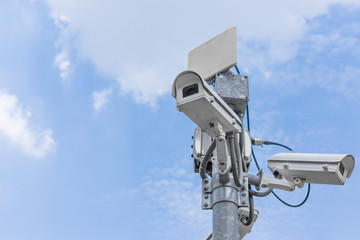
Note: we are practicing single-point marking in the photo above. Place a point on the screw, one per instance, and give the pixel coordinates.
(206, 196)
(206, 181)
(205, 204)
(243, 202)
(243, 194)
(205, 189)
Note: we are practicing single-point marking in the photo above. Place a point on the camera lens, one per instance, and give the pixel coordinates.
(190, 90)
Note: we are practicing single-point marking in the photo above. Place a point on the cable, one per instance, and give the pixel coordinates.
(278, 144)
(237, 69)
(238, 181)
(260, 194)
(256, 162)
(248, 118)
(251, 211)
(297, 205)
(257, 165)
(239, 157)
(206, 159)
(287, 204)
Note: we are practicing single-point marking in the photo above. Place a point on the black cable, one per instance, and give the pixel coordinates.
(237, 69)
(248, 118)
(258, 167)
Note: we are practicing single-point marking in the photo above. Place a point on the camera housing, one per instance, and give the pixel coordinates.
(203, 105)
(300, 168)
(201, 143)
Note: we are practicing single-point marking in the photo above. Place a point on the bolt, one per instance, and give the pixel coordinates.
(326, 167)
(206, 196)
(206, 181)
(243, 194)
(205, 204)
(243, 188)
(205, 189)
(243, 202)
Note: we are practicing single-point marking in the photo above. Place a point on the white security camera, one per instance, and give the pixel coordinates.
(300, 168)
(203, 105)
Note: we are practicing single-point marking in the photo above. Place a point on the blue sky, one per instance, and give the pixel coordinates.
(92, 147)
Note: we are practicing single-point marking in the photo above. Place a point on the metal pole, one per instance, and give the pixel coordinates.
(225, 221)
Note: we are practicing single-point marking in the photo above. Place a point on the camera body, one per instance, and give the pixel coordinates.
(203, 105)
(300, 168)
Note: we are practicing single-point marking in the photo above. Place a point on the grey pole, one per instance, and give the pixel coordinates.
(225, 221)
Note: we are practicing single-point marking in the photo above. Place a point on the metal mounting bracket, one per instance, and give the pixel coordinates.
(214, 192)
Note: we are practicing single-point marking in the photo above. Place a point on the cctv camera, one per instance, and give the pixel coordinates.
(300, 168)
(203, 105)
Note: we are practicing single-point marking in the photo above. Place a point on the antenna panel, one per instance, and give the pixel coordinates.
(214, 56)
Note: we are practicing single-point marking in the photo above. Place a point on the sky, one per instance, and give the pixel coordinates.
(92, 146)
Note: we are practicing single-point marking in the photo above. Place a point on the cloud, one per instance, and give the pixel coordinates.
(15, 125)
(144, 44)
(62, 63)
(101, 98)
(175, 193)
(173, 202)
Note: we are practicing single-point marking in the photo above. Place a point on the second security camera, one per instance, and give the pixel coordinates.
(300, 168)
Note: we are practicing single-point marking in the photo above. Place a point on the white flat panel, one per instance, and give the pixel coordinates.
(216, 55)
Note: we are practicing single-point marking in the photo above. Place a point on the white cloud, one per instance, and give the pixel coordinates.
(101, 98)
(173, 202)
(61, 21)
(144, 44)
(63, 63)
(175, 193)
(15, 125)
